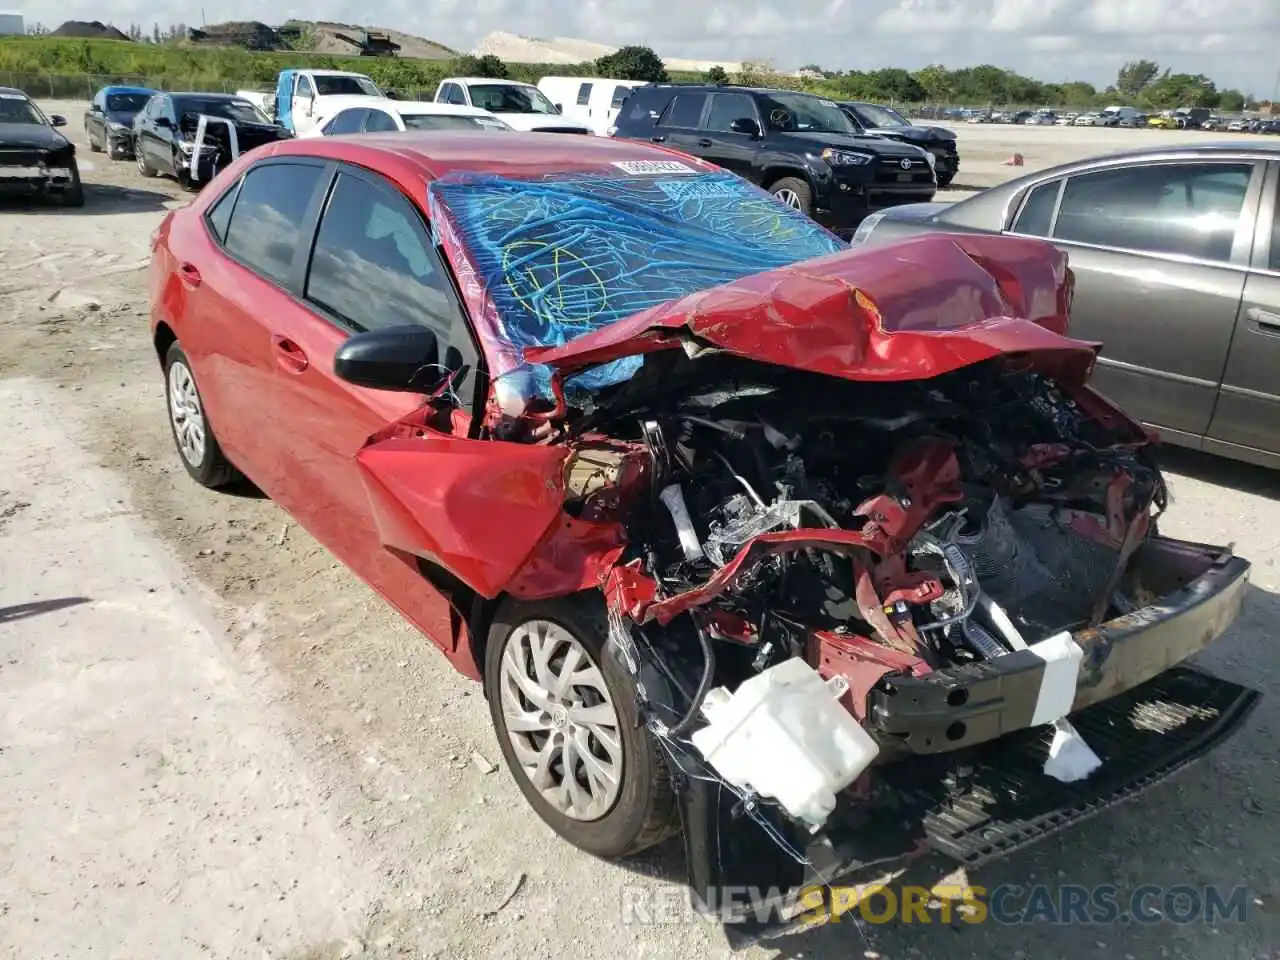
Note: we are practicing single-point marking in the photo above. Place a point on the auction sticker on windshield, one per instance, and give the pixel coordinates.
(653, 166)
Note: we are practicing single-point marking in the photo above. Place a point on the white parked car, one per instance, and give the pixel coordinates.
(1087, 120)
(595, 101)
(369, 115)
(522, 105)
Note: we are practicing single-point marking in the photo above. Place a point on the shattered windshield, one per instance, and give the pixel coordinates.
(878, 117)
(16, 109)
(568, 254)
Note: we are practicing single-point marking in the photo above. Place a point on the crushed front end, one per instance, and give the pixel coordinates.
(37, 170)
(968, 563)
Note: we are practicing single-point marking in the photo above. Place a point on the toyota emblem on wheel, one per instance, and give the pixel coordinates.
(906, 163)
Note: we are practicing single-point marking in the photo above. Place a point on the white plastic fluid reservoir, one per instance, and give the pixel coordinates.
(783, 734)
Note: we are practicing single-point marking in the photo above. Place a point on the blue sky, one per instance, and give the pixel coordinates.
(1053, 40)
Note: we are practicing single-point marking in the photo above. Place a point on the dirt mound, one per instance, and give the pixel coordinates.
(90, 30)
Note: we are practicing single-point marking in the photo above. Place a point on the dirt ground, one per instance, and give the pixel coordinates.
(216, 742)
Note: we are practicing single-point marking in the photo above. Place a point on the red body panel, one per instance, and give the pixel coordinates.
(917, 309)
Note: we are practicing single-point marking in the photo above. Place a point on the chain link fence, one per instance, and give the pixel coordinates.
(82, 86)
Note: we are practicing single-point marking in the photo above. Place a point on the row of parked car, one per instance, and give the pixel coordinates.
(835, 161)
(1186, 118)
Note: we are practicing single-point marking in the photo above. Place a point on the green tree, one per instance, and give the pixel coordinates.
(936, 81)
(633, 63)
(1135, 76)
(1232, 101)
(716, 74)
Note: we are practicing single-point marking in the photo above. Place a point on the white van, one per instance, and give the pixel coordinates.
(594, 101)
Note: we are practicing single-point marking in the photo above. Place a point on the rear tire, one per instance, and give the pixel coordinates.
(620, 800)
(198, 448)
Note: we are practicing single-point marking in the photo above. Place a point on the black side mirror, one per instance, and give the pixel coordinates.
(405, 359)
(559, 108)
(163, 122)
(57, 120)
(745, 125)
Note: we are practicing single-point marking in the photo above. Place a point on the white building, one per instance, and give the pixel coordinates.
(11, 25)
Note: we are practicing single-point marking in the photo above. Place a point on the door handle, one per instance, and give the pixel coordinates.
(289, 355)
(190, 275)
(1264, 318)
(704, 142)
(661, 139)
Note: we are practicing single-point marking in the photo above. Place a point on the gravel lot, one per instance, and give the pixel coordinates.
(216, 742)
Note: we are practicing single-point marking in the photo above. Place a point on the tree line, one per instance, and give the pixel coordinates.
(164, 57)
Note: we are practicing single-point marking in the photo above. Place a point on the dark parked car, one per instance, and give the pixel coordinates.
(883, 121)
(34, 157)
(803, 149)
(166, 131)
(108, 123)
(1176, 253)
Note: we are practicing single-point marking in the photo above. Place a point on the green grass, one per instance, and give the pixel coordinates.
(66, 67)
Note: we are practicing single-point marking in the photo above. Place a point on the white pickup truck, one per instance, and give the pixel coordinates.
(521, 105)
(302, 97)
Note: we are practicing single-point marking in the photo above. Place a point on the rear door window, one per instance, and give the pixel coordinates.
(1189, 209)
(348, 121)
(584, 94)
(1035, 219)
(379, 121)
(264, 231)
(684, 110)
(620, 95)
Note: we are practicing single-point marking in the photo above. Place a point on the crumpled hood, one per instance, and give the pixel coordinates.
(31, 136)
(915, 134)
(912, 310)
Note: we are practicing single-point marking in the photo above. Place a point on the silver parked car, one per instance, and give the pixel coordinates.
(1176, 255)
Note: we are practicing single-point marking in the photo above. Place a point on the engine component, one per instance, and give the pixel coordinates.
(673, 499)
(783, 734)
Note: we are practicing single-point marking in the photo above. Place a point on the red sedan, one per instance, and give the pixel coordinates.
(795, 549)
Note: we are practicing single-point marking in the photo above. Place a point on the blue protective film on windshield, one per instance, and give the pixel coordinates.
(565, 255)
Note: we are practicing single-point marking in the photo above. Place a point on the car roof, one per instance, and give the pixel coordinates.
(203, 95)
(14, 92)
(478, 80)
(431, 155)
(125, 88)
(975, 211)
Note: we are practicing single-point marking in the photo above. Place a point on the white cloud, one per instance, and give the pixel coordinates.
(1047, 39)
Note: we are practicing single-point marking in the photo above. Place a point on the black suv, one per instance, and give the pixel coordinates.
(884, 122)
(801, 148)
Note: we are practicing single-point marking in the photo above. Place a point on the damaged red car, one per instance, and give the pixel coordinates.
(819, 557)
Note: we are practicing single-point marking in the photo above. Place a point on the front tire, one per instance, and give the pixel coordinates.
(197, 446)
(73, 192)
(94, 146)
(944, 180)
(567, 723)
(795, 193)
(144, 168)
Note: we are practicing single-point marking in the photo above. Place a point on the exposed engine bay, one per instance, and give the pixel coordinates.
(991, 507)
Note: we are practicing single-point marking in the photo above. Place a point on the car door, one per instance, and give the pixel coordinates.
(680, 125)
(722, 145)
(617, 98)
(156, 146)
(372, 265)
(236, 288)
(1248, 411)
(1159, 251)
(95, 118)
(304, 102)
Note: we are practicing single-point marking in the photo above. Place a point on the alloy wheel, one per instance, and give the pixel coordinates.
(560, 720)
(186, 414)
(789, 197)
